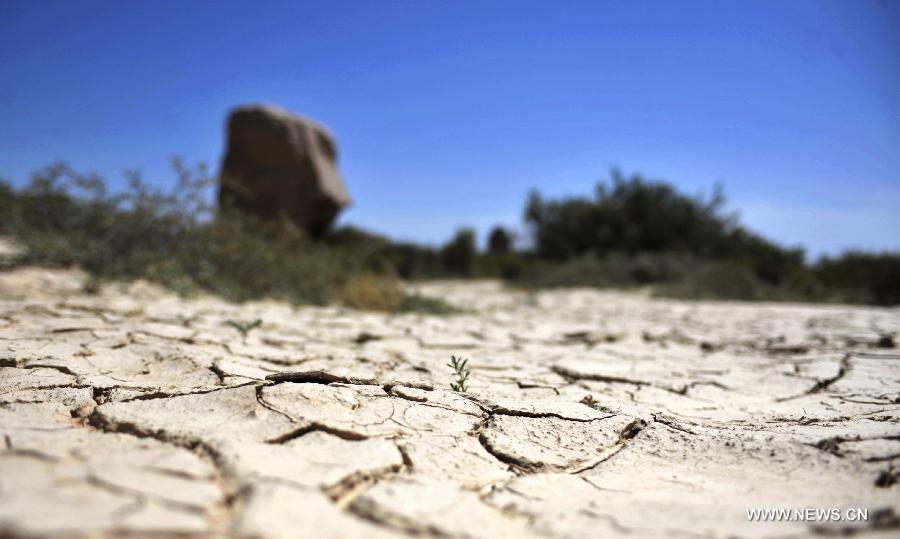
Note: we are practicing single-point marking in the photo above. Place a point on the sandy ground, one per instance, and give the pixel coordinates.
(589, 414)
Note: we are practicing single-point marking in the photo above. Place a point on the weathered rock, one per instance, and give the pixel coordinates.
(279, 164)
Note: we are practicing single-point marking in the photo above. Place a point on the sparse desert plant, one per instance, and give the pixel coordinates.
(176, 238)
(461, 369)
(244, 327)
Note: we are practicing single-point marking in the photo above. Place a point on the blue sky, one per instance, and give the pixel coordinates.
(447, 113)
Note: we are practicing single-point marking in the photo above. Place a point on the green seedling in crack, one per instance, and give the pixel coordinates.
(461, 369)
(244, 327)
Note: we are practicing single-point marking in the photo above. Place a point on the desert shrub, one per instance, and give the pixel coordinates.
(584, 270)
(635, 216)
(719, 280)
(630, 216)
(500, 241)
(674, 275)
(613, 270)
(406, 260)
(861, 277)
(637, 232)
(458, 256)
(176, 238)
(510, 266)
(412, 261)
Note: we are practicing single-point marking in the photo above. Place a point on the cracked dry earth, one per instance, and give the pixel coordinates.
(134, 412)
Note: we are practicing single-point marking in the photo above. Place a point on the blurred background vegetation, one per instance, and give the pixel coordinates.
(631, 233)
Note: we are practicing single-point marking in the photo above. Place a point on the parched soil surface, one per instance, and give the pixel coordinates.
(133, 412)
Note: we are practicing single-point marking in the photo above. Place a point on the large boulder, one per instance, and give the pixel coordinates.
(279, 164)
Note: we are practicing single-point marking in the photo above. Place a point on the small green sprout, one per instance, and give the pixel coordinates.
(461, 369)
(244, 327)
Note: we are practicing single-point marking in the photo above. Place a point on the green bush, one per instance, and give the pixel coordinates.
(719, 280)
(459, 255)
(176, 238)
(636, 232)
(861, 277)
(635, 217)
(500, 241)
(618, 270)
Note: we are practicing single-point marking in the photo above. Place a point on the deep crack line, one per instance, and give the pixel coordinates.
(574, 376)
(628, 433)
(521, 466)
(318, 427)
(501, 410)
(822, 385)
(327, 378)
(224, 477)
(517, 466)
(307, 425)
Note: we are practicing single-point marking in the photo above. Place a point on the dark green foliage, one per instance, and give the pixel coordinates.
(510, 266)
(634, 216)
(630, 216)
(671, 274)
(862, 277)
(636, 232)
(413, 261)
(457, 258)
(459, 255)
(614, 270)
(499, 241)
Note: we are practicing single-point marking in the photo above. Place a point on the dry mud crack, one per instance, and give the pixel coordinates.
(134, 412)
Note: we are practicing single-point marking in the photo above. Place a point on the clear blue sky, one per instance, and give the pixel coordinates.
(447, 113)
